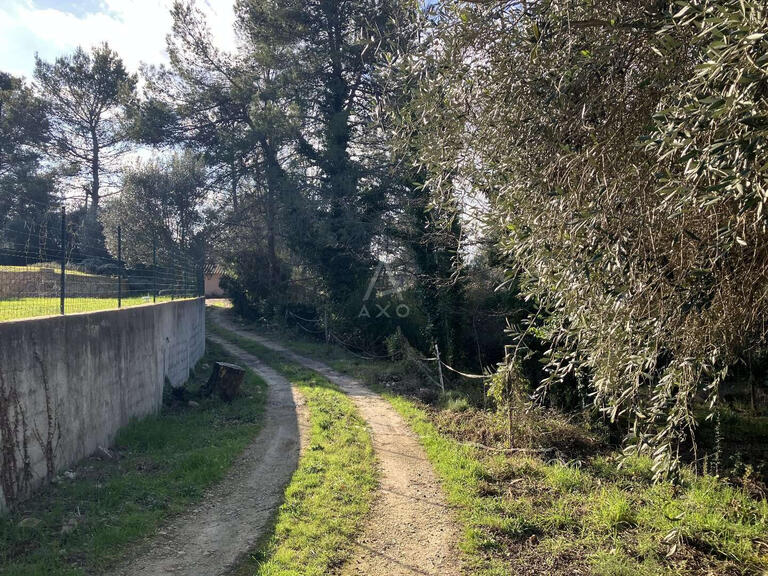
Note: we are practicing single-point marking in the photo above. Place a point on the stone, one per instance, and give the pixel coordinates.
(29, 522)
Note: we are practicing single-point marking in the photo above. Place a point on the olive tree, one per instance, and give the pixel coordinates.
(621, 147)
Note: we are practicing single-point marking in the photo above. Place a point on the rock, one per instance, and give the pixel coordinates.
(69, 526)
(69, 475)
(193, 404)
(226, 380)
(29, 522)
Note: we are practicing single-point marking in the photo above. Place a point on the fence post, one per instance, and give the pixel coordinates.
(63, 282)
(119, 267)
(184, 277)
(201, 276)
(154, 269)
(440, 368)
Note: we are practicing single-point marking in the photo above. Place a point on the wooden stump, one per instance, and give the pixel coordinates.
(226, 380)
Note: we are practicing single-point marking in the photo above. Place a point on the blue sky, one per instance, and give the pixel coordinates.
(135, 28)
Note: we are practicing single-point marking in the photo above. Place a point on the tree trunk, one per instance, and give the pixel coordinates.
(275, 182)
(226, 380)
(95, 184)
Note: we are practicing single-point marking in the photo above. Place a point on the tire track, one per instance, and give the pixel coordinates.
(237, 513)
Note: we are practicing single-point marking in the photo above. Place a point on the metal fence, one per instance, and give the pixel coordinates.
(55, 265)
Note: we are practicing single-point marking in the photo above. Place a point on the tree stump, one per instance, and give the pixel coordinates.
(226, 380)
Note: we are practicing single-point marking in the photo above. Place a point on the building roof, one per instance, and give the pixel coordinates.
(212, 269)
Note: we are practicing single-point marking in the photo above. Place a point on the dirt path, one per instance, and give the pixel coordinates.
(410, 529)
(210, 539)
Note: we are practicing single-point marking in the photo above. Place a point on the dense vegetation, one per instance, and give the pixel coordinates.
(567, 193)
(621, 146)
(563, 501)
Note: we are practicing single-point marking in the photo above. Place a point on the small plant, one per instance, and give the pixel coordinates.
(454, 401)
(613, 511)
(617, 563)
(565, 478)
(508, 389)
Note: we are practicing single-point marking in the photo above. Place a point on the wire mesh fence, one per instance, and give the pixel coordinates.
(63, 265)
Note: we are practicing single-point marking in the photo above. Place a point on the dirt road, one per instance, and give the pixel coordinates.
(410, 530)
(210, 539)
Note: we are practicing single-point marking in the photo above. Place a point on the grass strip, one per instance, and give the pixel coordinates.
(331, 491)
(88, 519)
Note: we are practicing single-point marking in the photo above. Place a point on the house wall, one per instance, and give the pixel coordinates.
(212, 287)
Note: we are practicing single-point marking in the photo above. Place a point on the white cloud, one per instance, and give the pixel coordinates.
(136, 29)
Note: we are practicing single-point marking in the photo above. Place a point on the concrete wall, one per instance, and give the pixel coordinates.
(68, 383)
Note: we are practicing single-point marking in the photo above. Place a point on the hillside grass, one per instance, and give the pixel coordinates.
(555, 513)
(332, 490)
(24, 308)
(88, 520)
(55, 266)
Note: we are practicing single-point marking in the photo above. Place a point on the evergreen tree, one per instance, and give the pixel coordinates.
(87, 94)
(25, 187)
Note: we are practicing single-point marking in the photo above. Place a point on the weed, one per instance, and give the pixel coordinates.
(612, 511)
(565, 478)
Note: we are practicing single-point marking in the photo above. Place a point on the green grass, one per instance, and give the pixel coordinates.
(332, 490)
(22, 308)
(55, 266)
(580, 518)
(526, 514)
(86, 524)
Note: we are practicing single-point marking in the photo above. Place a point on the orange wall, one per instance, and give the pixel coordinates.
(212, 287)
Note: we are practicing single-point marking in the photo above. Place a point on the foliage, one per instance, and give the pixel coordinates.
(159, 208)
(311, 200)
(324, 53)
(25, 186)
(620, 146)
(86, 94)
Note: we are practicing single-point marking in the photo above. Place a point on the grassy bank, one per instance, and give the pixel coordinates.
(22, 308)
(333, 487)
(574, 509)
(593, 516)
(90, 517)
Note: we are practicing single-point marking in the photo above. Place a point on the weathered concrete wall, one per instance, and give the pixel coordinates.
(68, 383)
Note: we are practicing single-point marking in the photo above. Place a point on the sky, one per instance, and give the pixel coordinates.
(136, 29)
